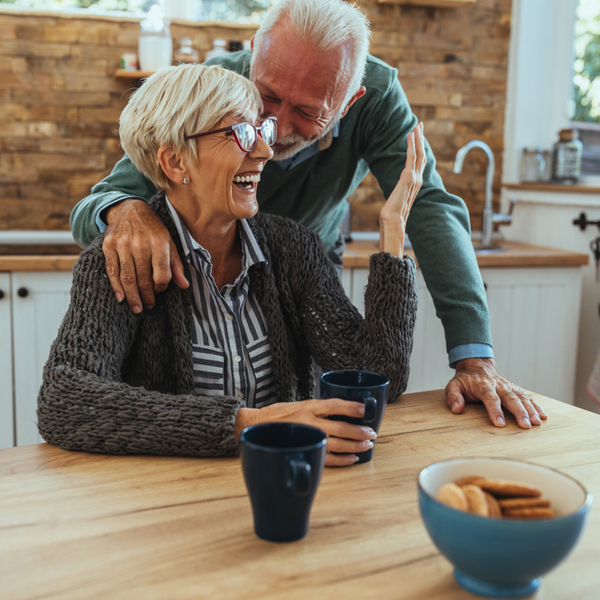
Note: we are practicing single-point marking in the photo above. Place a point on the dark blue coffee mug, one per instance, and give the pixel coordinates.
(371, 389)
(282, 465)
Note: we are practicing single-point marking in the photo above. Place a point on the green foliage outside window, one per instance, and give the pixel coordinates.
(586, 79)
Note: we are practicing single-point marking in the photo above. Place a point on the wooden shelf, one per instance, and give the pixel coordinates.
(436, 3)
(552, 187)
(123, 74)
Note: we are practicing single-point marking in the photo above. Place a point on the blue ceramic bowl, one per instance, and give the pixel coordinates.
(503, 558)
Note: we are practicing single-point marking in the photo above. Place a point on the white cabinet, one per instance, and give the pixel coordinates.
(6, 382)
(30, 314)
(534, 313)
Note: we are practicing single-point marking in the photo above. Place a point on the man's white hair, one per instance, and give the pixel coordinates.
(326, 24)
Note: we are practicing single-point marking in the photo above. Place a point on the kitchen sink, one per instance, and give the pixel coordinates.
(487, 248)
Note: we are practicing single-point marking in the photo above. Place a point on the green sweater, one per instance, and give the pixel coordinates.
(372, 137)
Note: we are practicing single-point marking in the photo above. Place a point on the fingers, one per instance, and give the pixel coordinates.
(526, 411)
(478, 380)
(177, 269)
(130, 283)
(113, 271)
(493, 405)
(420, 148)
(337, 406)
(343, 439)
(454, 398)
(161, 269)
(140, 255)
(340, 460)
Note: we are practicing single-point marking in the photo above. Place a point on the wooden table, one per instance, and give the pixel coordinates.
(81, 526)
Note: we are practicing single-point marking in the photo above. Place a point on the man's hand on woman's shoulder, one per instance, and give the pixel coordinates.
(141, 257)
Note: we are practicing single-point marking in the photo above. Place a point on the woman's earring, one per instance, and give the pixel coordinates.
(184, 180)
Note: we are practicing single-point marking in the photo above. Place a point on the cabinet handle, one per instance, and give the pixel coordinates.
(1, 294)
(23, 292)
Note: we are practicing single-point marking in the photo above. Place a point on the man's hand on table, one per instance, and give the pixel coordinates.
(141, 257)
(476, 379)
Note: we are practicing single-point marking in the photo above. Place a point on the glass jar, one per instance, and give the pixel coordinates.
(155, 45)
(533, 165)
(218, 49)
(566, 157)
(186, 53)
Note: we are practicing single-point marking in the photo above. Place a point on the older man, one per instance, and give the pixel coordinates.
(340, 114)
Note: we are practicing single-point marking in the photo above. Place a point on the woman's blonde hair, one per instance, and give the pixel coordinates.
(326, 24)
(179, 101)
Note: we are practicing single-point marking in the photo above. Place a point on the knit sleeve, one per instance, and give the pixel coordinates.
(339, 337)
(83, 403)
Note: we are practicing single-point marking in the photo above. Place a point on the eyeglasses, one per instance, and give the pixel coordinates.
(245, 134)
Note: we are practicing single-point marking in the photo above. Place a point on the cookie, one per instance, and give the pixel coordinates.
(452, 495)
(499, 488)
(468, 480)
(494, 509)
(537, 512)
(478, 505)
(510, 503)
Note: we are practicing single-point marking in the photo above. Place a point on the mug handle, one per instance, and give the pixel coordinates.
(299, 476)
(370, 406)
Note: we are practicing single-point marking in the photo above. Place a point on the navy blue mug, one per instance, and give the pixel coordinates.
(371, 389)
(282, 465)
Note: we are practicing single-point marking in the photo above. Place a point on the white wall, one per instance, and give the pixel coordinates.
(539, 77)
(539, 88)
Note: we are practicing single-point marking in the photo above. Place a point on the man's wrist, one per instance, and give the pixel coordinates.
(469, 363)
(112, 212)
(473, 350)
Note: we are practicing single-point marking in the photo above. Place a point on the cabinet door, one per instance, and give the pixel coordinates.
(40, 301)
(429, 368)
(534, 319)
(6, 374)
(534, 314)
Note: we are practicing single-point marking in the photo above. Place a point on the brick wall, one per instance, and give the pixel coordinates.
(452, 63)
(59, 100)
(59, 105)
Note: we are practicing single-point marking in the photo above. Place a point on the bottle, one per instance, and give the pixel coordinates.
(566, 157)
(533, 165)
(185, 54)
(155, 46)
(218, 49)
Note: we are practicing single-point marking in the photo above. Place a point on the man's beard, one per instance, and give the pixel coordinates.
(295, 143)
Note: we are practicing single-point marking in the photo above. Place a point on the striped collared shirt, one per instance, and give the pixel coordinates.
(231, 350)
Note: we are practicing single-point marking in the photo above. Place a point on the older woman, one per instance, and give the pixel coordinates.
(236, 347)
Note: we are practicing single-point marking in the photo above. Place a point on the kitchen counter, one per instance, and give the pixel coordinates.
(516, 255)
(39, 262)
(356, 256)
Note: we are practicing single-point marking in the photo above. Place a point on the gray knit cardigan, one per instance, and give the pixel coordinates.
(121, 383)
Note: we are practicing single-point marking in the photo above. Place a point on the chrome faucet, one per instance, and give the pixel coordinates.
(489, 217)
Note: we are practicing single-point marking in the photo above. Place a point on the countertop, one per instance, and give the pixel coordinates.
(356, 256)
(94, 526)
(516, 255)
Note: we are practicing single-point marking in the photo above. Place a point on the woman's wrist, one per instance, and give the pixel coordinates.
(244, 418)
(391, 236)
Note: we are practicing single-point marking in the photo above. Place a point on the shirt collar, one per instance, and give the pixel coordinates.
(317, 146)
(251, 251)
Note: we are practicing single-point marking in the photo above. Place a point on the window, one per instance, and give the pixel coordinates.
(586, 83)
(192, 10)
